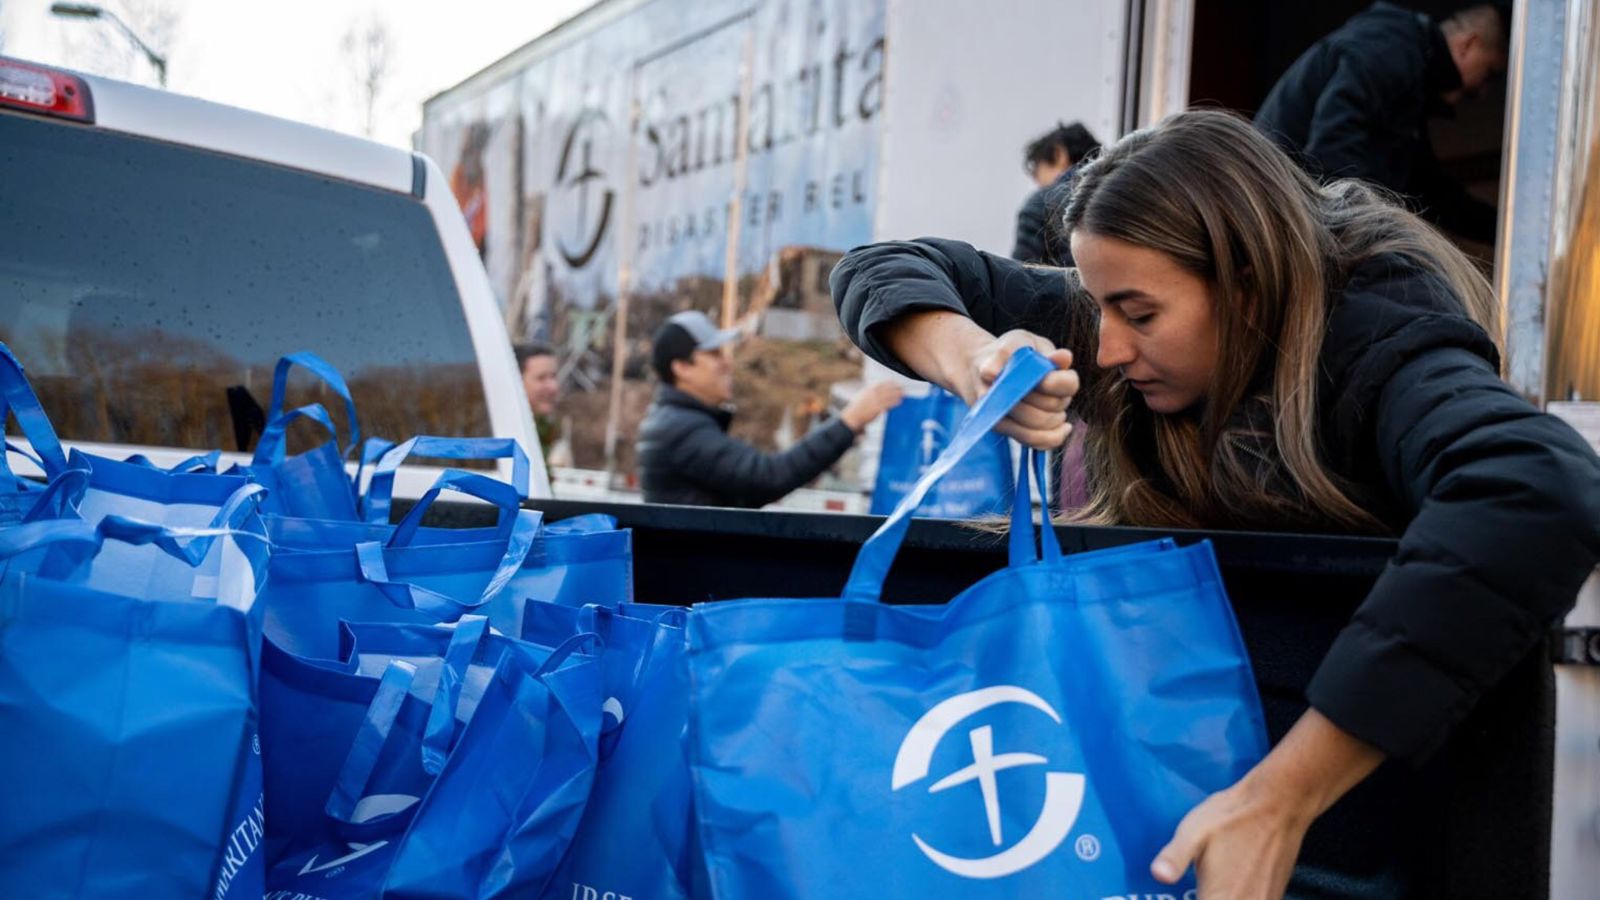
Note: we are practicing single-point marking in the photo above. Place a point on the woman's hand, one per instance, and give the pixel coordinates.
(953, 352)
(1040, 420)
(1243, 841)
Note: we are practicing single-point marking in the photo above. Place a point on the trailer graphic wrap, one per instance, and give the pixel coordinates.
(674, 155)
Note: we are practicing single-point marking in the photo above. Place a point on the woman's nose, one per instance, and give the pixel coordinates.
(1115, 348)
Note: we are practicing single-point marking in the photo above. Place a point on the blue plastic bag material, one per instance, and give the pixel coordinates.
(486, 810)
(18, 495)
(313, 484)
(588, 523)
(129, 716)
(914, 434)
(1042, 736)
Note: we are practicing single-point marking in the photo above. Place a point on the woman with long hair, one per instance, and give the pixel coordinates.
(1251, 350)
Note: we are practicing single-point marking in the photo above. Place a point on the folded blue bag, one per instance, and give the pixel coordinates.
(1040, 735)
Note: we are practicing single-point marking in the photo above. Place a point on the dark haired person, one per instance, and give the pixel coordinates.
(686, 455)
(1357, 104)
(1049, 160)
(537, 363)
(1255, 351)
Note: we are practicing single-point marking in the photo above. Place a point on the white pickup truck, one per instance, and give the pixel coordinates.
(160, 253)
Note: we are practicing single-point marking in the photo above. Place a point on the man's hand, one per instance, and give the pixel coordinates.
(869, 403)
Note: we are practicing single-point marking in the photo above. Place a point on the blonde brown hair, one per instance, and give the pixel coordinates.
(1228, 206)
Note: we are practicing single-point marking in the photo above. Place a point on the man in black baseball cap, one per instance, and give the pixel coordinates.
(685, 453)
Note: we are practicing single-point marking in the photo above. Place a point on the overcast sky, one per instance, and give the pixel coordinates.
(284, 57)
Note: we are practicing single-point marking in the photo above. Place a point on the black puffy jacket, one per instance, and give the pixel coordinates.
(1497, 505)
(1040, 238)
(686, 456)
(1357, 104)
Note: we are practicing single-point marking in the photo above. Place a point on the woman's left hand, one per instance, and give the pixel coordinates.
(1243, 841)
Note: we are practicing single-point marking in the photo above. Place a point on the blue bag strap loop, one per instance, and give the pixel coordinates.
(1022, 374)
(374, 571)
(490, 490)
(564, 650)
(270, 448)
(1026, 544)
(201, 463)
(78, 540)
(330, 376)
(356, 773)
(22, 483)
(380, 491)
(61, 495)
(465, 642)
(18, 399)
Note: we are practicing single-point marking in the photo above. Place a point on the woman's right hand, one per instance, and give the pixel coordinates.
(1040, 420)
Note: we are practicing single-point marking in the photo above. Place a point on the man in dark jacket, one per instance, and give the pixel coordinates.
(1049, 161)
(1357, 104)
(685, 453)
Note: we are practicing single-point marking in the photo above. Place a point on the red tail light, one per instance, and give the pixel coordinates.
(34, 88)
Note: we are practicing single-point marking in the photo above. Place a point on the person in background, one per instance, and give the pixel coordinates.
(1257, 351)
(1357, 104)
(537, 363)
(1049, 161)
(686, 455)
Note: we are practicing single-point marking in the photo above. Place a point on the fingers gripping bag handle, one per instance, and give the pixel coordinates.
(380, 491)
(1023, 372)
(17, 398)
(330, 376)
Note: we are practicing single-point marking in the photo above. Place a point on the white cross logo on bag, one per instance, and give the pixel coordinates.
(1063, 790)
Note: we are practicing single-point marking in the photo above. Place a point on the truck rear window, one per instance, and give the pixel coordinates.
(142, 282)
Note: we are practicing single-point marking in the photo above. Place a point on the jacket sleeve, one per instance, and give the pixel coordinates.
(727, 466)
(1506, 527)
(1355, 124)
(876, 284)
(1029, 246)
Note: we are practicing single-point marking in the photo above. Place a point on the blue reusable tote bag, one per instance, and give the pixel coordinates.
(313, 484)
(468, 785)
(1040, 735)
(309, 593)
(914, 434)
(128, 717)
(18, 495)
(379, 496)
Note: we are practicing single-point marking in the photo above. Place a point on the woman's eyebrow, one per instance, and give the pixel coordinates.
(1116, 297)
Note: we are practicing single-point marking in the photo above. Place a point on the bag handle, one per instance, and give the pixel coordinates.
(374, 571)
(380, 491)
(1025, 548)
(18, 399)
(465, 641)
(1021, 375)
(330, 376)
(203, 463)
(270, 448)
(490, 490)
(376, 726)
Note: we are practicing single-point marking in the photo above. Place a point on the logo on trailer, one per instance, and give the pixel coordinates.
(1063, 790)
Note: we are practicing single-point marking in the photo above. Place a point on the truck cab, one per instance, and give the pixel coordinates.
(161, 252)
